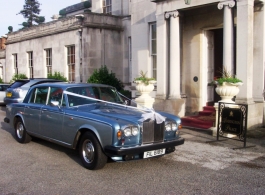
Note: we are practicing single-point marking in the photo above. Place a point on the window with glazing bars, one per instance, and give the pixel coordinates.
(49, 61)
(30, 63)
(153, 49)
(15, 63)
(71, 63)
(106, 6)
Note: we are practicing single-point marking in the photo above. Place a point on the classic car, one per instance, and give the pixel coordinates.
(95, 120)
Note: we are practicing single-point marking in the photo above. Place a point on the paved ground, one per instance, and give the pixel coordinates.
(201, 165)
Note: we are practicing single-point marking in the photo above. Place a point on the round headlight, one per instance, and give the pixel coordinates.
(134, 131)
(174, 126)
(127, 132)
(168, 127)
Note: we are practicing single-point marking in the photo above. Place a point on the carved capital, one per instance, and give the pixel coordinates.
(230, 4)
(173, 14)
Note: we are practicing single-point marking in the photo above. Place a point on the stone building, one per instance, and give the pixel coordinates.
(74, 45)
(182, 43)
(2, 56)
(194, 39)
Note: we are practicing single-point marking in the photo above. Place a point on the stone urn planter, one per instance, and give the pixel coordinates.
(144, 86)
(227, 91)
(144, 89)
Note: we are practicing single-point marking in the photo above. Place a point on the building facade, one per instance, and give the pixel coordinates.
(194, 40)
(183, 44)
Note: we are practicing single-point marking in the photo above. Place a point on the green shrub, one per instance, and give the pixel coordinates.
(58, 76)
(103, 76)
(1, 80)
(18, 76)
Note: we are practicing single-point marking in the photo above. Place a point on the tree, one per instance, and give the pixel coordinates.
(10, 29)
(31, 11)
(41, 19)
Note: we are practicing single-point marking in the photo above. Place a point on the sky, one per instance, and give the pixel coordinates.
(10, 8)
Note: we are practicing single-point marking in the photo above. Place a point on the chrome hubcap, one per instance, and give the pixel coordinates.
(20, 130)
(88, 151)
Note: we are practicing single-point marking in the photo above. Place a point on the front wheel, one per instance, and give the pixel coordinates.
(91, 152)
(20, 132)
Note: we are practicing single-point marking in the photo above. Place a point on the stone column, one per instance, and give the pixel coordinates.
(174, 55)
(161, 57)
(244, 54)
(228, 41)
(259, 53)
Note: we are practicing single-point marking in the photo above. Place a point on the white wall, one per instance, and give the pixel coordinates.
(96, 6)
(142, 13)
(57, 43)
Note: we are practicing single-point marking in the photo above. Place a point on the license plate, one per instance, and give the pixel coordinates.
(8, 94)
(152, 153)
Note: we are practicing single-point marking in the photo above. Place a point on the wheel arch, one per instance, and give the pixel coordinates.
(81, 132)
(16, 118)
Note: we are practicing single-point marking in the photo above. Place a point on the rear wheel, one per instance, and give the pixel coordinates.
(20, 132)
(91, 152)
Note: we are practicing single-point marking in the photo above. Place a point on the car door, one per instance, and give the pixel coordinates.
(32, 110)
(51, 119)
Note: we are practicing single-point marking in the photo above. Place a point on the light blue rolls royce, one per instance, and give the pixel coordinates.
(94, 119)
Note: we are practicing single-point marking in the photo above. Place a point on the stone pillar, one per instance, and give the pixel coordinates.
(228, 41)
(245, 15)
(168, 84)
(161, 57)
(174, 55)
(259, 53)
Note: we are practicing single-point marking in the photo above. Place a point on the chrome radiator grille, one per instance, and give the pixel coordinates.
(152, 132)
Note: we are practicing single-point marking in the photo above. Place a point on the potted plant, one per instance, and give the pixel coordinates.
(227, 86)
(143, 79)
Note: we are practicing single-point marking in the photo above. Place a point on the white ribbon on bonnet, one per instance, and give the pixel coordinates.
(151, 115)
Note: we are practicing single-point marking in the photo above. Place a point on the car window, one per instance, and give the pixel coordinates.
(5, 87)
(56, 94)
(17, 84)
(109, 94)
(76, 101)
(85, 91)
(103, 93)
(39, 95)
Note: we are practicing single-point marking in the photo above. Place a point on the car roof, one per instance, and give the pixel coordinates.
(65, 85)
(33, 81)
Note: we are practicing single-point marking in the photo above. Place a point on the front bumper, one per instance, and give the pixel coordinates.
(121, 151)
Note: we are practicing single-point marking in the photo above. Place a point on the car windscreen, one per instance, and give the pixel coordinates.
(17, 84)
(103, 93)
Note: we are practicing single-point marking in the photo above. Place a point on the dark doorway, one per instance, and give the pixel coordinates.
(218, 57)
